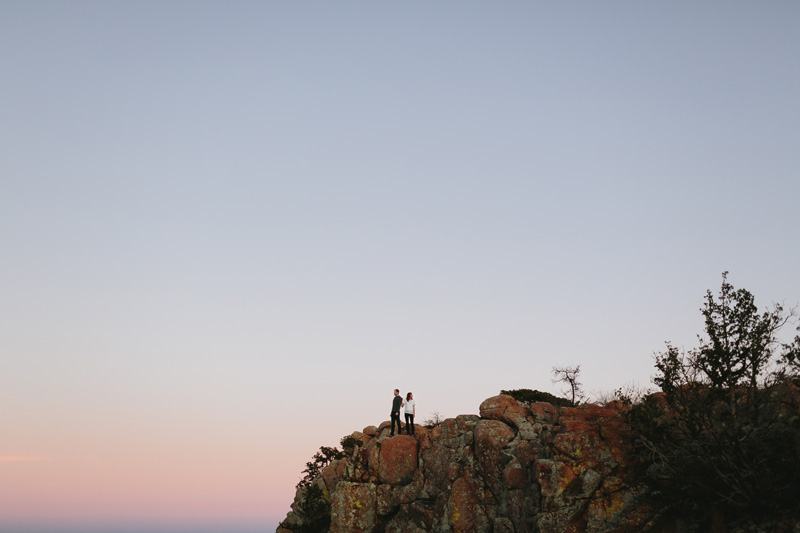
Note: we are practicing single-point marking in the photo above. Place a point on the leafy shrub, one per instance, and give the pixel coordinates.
(320, 460)
(528, 396)
(324, 456)
(314, 509)
(349, 444)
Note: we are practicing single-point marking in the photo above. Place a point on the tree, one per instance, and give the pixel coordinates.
(569, 375)
(314, 507)
(790, 357)
(436, 419)
(723, 437)
(321, 459)
(313, 511)
(324, 456)
(740, 341)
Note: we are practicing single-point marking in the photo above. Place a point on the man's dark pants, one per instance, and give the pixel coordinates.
(396, 417)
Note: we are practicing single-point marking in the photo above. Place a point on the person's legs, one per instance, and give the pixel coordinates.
(409, 424)
(395, 418)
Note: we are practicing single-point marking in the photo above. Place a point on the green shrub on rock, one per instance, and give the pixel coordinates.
(314, 508)
(528, 396)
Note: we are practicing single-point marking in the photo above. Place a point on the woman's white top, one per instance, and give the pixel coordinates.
(410, 406)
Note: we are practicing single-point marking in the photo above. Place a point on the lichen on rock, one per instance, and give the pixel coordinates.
(514, 468)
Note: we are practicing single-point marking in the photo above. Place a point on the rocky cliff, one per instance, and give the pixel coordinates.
(514, 468)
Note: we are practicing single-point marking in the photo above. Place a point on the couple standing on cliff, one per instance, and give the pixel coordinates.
(411, 410)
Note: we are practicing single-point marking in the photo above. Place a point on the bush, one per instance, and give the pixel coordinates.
(629, 394)
(349, 444)
(314, 509)
(528, 396)
(324, 456)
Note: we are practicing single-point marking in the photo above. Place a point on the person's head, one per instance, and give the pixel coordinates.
(409, 396)
(396, 392)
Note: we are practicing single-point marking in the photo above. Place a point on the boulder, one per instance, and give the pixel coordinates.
(466, 515)
(354, 508)
(398, 460)
(505, 409)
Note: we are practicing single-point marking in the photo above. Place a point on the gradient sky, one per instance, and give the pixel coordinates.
(229, 229)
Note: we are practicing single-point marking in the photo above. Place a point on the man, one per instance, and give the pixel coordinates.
(397, 403)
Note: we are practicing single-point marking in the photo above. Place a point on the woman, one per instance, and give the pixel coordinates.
(411, 410)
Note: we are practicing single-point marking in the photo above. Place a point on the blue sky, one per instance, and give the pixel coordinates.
(230, 230)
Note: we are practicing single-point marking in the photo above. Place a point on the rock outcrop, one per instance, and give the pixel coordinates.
(514, 468)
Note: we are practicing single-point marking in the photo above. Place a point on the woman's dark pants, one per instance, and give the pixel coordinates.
(409, 424)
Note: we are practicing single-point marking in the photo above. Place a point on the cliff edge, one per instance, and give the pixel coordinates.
(514, 468)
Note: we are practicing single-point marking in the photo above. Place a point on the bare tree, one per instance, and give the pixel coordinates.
(435, 420)
(569, 375)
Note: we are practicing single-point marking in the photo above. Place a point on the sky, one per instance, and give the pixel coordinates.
(228, 230)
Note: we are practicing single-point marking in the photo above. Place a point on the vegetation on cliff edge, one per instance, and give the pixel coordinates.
(720, 441)
(722, 438)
